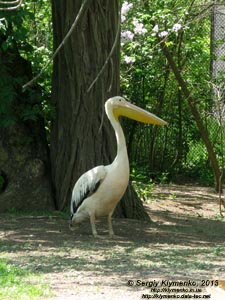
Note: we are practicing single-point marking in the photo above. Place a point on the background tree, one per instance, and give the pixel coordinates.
(175, 153)
(24, 160)
(178, 151)
(81, 134)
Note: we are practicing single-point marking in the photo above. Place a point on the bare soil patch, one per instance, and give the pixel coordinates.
(185, 240)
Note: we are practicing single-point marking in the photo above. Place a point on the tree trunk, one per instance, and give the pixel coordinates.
(191, 102)
(82, 136)
(24, 176)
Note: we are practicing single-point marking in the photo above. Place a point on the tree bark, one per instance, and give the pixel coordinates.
(82, 137)
(24, 168)
(191, 102)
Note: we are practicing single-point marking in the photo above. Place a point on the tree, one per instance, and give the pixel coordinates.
(184, 27)
(81, 134)
(24, 180)
(193, 107)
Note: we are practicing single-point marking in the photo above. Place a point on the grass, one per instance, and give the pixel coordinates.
(20, 284)
(43, 213)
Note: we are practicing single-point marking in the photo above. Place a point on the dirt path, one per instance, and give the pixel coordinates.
(185, 241)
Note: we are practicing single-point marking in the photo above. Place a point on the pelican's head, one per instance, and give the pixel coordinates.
(120, 107)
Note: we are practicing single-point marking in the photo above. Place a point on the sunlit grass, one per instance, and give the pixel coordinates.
(20, 284)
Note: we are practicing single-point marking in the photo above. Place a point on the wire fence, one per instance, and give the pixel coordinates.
(218, 39)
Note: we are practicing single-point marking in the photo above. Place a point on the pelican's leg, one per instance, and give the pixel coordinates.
(93, 228)
(111, 232)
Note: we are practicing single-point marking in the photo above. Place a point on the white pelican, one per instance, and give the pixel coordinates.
(97, 192)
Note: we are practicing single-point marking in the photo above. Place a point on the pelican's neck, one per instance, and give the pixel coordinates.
(120, 139)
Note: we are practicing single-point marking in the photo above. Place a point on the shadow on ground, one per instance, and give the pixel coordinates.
(181, 242)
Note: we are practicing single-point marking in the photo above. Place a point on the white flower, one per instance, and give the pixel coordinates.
(176, 27)
(127, 35)
(128, 59)
(123, 18)
(155, 28)
(126, 7)
(163, 34)
(138, 27)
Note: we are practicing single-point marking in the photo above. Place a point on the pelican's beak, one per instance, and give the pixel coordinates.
(136, 113)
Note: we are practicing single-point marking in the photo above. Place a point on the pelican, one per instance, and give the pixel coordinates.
(98, 191)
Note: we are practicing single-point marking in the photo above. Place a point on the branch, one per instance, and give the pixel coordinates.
(15, 4)
(191, 102)
(108, 57)
(10, 2)
(81, 11)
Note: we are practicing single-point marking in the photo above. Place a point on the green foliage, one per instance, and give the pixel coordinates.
(145, 186)
(25, 43)
(148, 81)
(145, 191)
(197, 165)
(15, 283)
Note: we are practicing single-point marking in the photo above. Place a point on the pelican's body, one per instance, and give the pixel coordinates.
(97, 192)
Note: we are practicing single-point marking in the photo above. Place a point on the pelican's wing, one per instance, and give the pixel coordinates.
(86, 185)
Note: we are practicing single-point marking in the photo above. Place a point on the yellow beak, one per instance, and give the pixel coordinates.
(136, 113)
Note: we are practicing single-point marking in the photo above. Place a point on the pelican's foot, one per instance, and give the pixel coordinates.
(71, 227)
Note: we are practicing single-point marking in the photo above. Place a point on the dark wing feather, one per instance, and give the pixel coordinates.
(86, 185)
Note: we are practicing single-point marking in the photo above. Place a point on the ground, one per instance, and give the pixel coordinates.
(184, 241)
